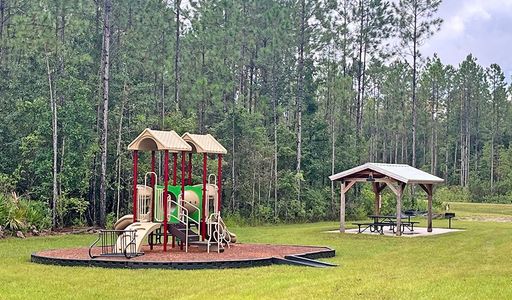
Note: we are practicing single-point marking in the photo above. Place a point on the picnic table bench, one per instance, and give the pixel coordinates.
(381, 221)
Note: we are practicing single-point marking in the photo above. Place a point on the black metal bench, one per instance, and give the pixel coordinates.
(379, 226)
(408, 224)
(373, 226)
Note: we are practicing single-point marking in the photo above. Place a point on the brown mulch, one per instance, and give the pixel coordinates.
(236, 252)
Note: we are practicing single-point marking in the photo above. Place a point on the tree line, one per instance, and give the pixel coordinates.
(295, 90)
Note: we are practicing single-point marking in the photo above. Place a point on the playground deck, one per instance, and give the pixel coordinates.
(238, 256)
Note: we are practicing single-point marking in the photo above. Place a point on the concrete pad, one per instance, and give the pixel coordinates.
(418, 231)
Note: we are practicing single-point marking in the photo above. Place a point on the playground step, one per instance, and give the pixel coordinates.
(181, 233)
(203, 245)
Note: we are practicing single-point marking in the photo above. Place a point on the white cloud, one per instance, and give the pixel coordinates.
(480, 27)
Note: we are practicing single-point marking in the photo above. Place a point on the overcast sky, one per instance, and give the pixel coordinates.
(480, 27)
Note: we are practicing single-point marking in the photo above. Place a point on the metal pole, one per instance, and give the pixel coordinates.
(166, 193)
(182, 187)
(219, 184)
(135, 164)
(203, 204)
(174, 168)
(190, 168)
(153, 182)
(182, 177)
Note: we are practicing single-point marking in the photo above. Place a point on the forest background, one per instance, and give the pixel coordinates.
(295, 90)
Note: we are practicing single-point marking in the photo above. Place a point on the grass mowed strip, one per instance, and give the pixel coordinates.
(475, 263)
(481, 209)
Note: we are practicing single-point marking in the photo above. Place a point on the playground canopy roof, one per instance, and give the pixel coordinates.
(399, 172)
(152, 140)
(204, 143)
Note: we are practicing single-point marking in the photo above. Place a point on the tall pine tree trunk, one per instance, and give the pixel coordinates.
(104, 132)
(300, 92)
(55, 149)
(274, 113)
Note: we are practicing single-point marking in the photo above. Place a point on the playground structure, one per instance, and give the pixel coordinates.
(189, 214)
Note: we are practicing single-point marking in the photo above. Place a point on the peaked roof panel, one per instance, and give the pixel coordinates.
(150, 140)
(204, 143)
(399, 172)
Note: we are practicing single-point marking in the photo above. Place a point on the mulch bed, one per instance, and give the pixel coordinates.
(235, 253)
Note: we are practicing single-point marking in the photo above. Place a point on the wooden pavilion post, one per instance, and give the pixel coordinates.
(429, 189)
(377, 190)
(342, 206)
(399, 194)
(345, 186)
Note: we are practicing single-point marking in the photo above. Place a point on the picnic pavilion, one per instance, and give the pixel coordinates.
(393, 176)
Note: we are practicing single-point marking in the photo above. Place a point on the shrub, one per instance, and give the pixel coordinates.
(20, 214)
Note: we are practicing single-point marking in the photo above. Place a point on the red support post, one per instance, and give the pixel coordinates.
(190, 168)
(203, 204)
(183, 158)
(182, 177)
(135, 165)
(219, 183)
(166, 193)
(174, 168)
(153, 182)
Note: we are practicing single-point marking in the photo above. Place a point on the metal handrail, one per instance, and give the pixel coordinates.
(184, 221)
(109, 248)
(214, 178)
(132, 242)
(146, 177)
(226, 235)
(213, 221)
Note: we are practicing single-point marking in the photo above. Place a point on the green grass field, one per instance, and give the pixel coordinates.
(473, 264)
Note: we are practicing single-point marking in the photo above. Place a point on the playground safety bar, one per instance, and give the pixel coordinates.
(143, 203)
(183, 218)
(226, 235)
(159, 204)
(215, 204)
(220, 234)
(116, 243)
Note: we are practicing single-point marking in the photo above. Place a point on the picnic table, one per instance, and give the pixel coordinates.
(381, 221)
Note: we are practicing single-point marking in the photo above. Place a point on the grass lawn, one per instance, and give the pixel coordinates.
(473, 264)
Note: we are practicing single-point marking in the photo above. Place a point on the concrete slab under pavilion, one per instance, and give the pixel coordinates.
(418, 231)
